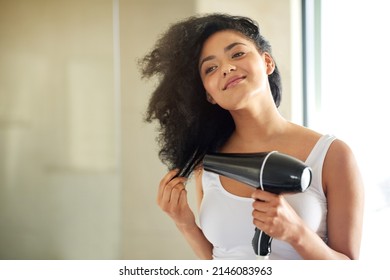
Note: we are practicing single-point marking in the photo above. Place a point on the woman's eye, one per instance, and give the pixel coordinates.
(210, 69)
(238, 54)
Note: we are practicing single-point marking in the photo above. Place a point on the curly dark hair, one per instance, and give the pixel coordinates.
(189, 125)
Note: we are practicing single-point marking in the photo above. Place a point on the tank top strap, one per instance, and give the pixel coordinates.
(316, 159)
(320, 149)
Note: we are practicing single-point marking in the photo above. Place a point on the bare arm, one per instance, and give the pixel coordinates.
(172, 199)
(345, 195)
(344, 190)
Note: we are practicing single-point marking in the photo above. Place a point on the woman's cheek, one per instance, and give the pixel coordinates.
(211, 86)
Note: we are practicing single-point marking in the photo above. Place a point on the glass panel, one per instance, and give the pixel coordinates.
(59, 178)
(354, 102)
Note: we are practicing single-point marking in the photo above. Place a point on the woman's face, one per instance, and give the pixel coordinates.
(232, 69)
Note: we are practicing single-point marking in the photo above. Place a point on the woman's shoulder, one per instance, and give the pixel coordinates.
(300, 141)
(339, 155)
(303, 132)
(340, 166)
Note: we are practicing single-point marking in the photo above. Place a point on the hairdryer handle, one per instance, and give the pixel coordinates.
(261, 243)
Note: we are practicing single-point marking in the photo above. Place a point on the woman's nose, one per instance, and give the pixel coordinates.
(227, 69)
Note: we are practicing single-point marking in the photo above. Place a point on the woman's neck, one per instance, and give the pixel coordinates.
(256, 128)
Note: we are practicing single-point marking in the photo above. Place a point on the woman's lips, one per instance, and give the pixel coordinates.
(233, 81)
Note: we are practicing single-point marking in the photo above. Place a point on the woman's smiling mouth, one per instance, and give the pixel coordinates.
(233, 81)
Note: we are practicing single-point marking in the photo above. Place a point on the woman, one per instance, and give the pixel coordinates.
(219, 90)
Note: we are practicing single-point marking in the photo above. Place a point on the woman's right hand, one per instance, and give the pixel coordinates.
(172, 199)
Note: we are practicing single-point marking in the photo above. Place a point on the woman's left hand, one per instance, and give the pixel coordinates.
(273, 215)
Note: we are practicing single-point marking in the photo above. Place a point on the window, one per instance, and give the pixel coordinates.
(347, 95)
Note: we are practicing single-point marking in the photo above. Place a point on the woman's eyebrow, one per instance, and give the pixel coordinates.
(232, 45)
(207, 58)
(226, 49)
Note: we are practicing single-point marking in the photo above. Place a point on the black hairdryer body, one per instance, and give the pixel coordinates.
(270, 171)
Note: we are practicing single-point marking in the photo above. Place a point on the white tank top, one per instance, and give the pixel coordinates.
(226, 219)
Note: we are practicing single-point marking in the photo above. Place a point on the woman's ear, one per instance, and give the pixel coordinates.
(270, 63)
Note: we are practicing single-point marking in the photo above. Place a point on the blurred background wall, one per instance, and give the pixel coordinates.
(60, 191)
(78, 166)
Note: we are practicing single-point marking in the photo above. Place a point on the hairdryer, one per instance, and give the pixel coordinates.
(271, 171)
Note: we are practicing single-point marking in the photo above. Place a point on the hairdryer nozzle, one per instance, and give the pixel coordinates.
(306, 178)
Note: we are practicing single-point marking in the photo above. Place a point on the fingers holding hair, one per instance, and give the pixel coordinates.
(170, 189)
